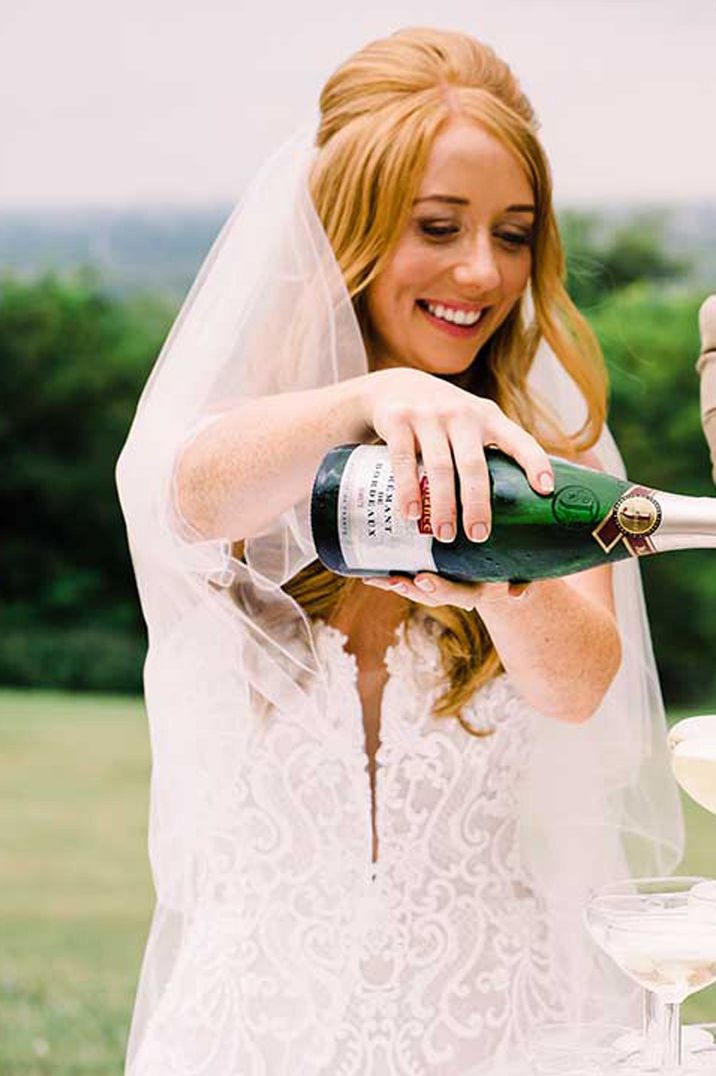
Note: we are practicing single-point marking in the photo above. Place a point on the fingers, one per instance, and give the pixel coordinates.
(455, 442)
(401, 448)
(471, 466)
(707, 324)
(532, 458)
(440, 471)
(432, 590)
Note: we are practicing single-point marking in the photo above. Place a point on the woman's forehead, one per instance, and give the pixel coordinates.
(467, 164)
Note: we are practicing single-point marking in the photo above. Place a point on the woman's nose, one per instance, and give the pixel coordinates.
(478, 267)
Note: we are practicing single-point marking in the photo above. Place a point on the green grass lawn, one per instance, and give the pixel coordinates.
(76, 896)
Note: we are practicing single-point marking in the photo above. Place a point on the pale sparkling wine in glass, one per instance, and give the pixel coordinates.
(694, 764)
(692, 744)
(672, 952)
(662, 933)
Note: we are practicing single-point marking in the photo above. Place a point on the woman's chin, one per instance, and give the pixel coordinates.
(449, 367)
(429, 361)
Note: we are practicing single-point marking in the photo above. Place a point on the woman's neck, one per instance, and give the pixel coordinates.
(369, 619)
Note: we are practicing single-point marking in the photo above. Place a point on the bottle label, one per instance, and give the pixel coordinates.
(373, 533)
(632, 520)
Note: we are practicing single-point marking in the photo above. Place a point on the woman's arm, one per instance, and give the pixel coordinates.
(559, 640)
(256, 460)
(246, 468)
(563, 649)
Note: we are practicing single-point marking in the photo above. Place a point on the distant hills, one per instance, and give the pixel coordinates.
(132, 249)
(162, 249)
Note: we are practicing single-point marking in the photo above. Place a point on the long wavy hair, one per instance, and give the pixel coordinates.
(380, 114)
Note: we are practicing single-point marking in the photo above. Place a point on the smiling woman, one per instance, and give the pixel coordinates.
(377, 814)
(463, 261)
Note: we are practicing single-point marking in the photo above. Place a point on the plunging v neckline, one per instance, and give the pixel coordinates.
(372, 731)
(426, 651)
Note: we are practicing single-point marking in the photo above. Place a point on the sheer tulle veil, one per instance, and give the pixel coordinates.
(269, 313)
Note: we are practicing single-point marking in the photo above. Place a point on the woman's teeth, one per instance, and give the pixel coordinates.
(455, 317)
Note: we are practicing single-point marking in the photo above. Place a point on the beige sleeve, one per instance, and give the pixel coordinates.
(706, 367)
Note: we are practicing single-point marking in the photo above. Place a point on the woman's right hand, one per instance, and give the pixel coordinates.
(418, 414)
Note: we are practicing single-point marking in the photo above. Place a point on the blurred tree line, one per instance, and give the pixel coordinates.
(73, 361)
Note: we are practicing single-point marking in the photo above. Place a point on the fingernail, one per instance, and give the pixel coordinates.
(478, 532)
(546, 482)
(446, 532)
(414, 510)
(400, 587)
(425, 583)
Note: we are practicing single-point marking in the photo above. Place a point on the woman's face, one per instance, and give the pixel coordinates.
(463, 261)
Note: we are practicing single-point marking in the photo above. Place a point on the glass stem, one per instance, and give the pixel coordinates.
(662, 1032)
(652, 1027)
(671, 1036)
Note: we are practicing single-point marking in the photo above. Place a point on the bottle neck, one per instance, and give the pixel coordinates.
(686, 523)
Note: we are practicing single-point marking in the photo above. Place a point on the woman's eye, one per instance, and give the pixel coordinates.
(438, 229)
(515, 239)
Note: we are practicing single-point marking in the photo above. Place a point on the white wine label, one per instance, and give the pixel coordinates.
(372, 531)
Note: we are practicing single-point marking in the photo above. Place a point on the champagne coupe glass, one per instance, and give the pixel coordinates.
(662, 933)
(692, 746)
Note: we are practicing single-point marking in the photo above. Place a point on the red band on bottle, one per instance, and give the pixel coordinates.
(424, 521)
(608, 534)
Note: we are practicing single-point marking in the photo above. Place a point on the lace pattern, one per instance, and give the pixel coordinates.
(304, 956)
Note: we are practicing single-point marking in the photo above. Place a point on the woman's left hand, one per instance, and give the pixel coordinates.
(430, 589)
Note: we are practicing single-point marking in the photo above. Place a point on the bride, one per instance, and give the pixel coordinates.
(378, 805)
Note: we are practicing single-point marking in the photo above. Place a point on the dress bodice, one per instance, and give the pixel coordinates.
(305, 956)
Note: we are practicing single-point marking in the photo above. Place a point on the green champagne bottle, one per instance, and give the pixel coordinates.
(591, 518)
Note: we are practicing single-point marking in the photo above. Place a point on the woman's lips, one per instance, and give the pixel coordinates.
(462, 332)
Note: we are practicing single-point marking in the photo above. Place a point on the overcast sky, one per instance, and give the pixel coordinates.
(120, 102)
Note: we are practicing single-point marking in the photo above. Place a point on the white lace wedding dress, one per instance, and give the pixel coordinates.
(306, 958)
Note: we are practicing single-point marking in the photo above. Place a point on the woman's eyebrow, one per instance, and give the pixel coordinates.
(447, 199)
(453, 199)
